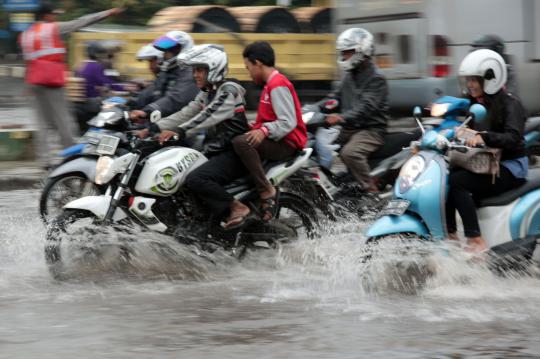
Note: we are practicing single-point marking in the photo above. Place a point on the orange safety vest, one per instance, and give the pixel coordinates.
(45, 53)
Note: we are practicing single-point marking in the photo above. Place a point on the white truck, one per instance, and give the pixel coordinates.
(420, 43)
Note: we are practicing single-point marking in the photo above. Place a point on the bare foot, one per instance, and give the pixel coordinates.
(476, 245)
(269, 193)
(453, 237)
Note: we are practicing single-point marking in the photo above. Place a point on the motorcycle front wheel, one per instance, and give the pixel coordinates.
(59, 191)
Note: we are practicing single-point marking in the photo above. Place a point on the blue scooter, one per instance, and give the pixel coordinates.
(510, 222)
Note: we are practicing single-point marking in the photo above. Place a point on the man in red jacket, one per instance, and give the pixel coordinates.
(278, 131)
(45, 53)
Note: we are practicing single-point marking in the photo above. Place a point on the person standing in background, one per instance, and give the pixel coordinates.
(45, 53)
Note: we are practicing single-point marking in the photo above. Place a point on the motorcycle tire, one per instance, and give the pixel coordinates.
(55, 183)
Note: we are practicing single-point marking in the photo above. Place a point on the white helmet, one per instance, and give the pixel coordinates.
(357, 39)
(149, 52)
(488, 65)
(210, 56)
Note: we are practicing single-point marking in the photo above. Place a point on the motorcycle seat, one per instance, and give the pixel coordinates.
(532, 123)
(533, 182)
(245, 182)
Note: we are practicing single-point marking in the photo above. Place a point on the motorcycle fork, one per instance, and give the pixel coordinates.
(120, 189)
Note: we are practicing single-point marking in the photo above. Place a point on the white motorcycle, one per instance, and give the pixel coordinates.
(145, 189)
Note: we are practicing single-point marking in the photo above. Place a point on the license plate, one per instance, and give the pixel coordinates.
(395, 207)
(92, 137)
(107, 145)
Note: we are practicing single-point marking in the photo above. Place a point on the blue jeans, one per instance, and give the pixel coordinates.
(325, 147)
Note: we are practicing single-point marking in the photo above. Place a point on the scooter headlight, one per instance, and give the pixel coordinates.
(104, 170)
(439, 109)
(410, 172)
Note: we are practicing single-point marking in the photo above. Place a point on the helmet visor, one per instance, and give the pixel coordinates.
(164, 43)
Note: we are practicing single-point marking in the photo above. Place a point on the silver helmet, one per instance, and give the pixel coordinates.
(357, 39)
(210, 56)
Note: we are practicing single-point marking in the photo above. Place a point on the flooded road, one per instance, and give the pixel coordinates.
(312, 299)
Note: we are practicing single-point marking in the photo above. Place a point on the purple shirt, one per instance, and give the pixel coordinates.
(94, 74)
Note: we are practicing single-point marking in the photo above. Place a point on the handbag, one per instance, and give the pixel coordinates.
(483, 160)
(477, 160)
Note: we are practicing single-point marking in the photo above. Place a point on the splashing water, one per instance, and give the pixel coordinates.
(313, 298)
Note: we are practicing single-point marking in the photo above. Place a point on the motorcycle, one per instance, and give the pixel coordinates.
(74, 176)
(332, 191)
(145, 189)
(510, 222)
(327, 189)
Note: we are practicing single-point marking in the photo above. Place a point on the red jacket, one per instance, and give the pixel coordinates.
(279, 96)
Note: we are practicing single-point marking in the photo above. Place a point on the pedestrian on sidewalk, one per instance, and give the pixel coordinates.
(45, 53)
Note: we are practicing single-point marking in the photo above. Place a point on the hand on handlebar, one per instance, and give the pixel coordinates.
(333, 119)
(166, 135)
(137, 116)
(142, 133)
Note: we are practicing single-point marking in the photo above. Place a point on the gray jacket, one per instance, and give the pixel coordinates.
(173, 89)
(67, 27)
(221, 112)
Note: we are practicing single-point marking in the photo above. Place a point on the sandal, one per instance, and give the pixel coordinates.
(236, 221)
(268, 207)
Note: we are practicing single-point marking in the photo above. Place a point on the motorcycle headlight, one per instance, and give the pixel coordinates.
(104, 170)
(410, 172)
(439, 109)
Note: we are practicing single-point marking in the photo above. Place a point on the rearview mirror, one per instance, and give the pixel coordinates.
(417, 112)
(478, 111)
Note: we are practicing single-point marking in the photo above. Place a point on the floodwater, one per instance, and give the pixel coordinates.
(310, 299)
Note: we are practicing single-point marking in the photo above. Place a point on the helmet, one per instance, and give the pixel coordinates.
(210, 56)
(488, 65)
(172, 40)
(490, 42)
(357, 39)
(149, 52)
(95, 51)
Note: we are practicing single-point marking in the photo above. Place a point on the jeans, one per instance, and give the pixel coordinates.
(325, 147)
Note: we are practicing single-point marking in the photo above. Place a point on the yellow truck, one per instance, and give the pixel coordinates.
(308, 59)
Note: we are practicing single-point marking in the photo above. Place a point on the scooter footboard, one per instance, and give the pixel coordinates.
(406, 223)
(98, 205)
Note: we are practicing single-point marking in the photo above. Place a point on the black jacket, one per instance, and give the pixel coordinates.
(504, 125)
(363, 99)
(173, 90)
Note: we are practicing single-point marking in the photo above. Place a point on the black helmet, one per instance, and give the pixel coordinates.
(490, 42)
(95, 50)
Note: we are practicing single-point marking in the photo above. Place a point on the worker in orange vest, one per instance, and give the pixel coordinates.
(45, 53)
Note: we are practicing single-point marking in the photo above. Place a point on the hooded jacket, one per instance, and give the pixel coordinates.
(221, 112)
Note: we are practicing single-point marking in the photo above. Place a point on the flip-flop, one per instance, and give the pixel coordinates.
(271, 208)
(241, 220)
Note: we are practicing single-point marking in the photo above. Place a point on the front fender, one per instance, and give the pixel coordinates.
(98, 205)
(85, 165)
(405, 223)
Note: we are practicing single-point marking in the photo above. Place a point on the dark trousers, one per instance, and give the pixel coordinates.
(465, 188)
(252, 157)
(207, 181)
